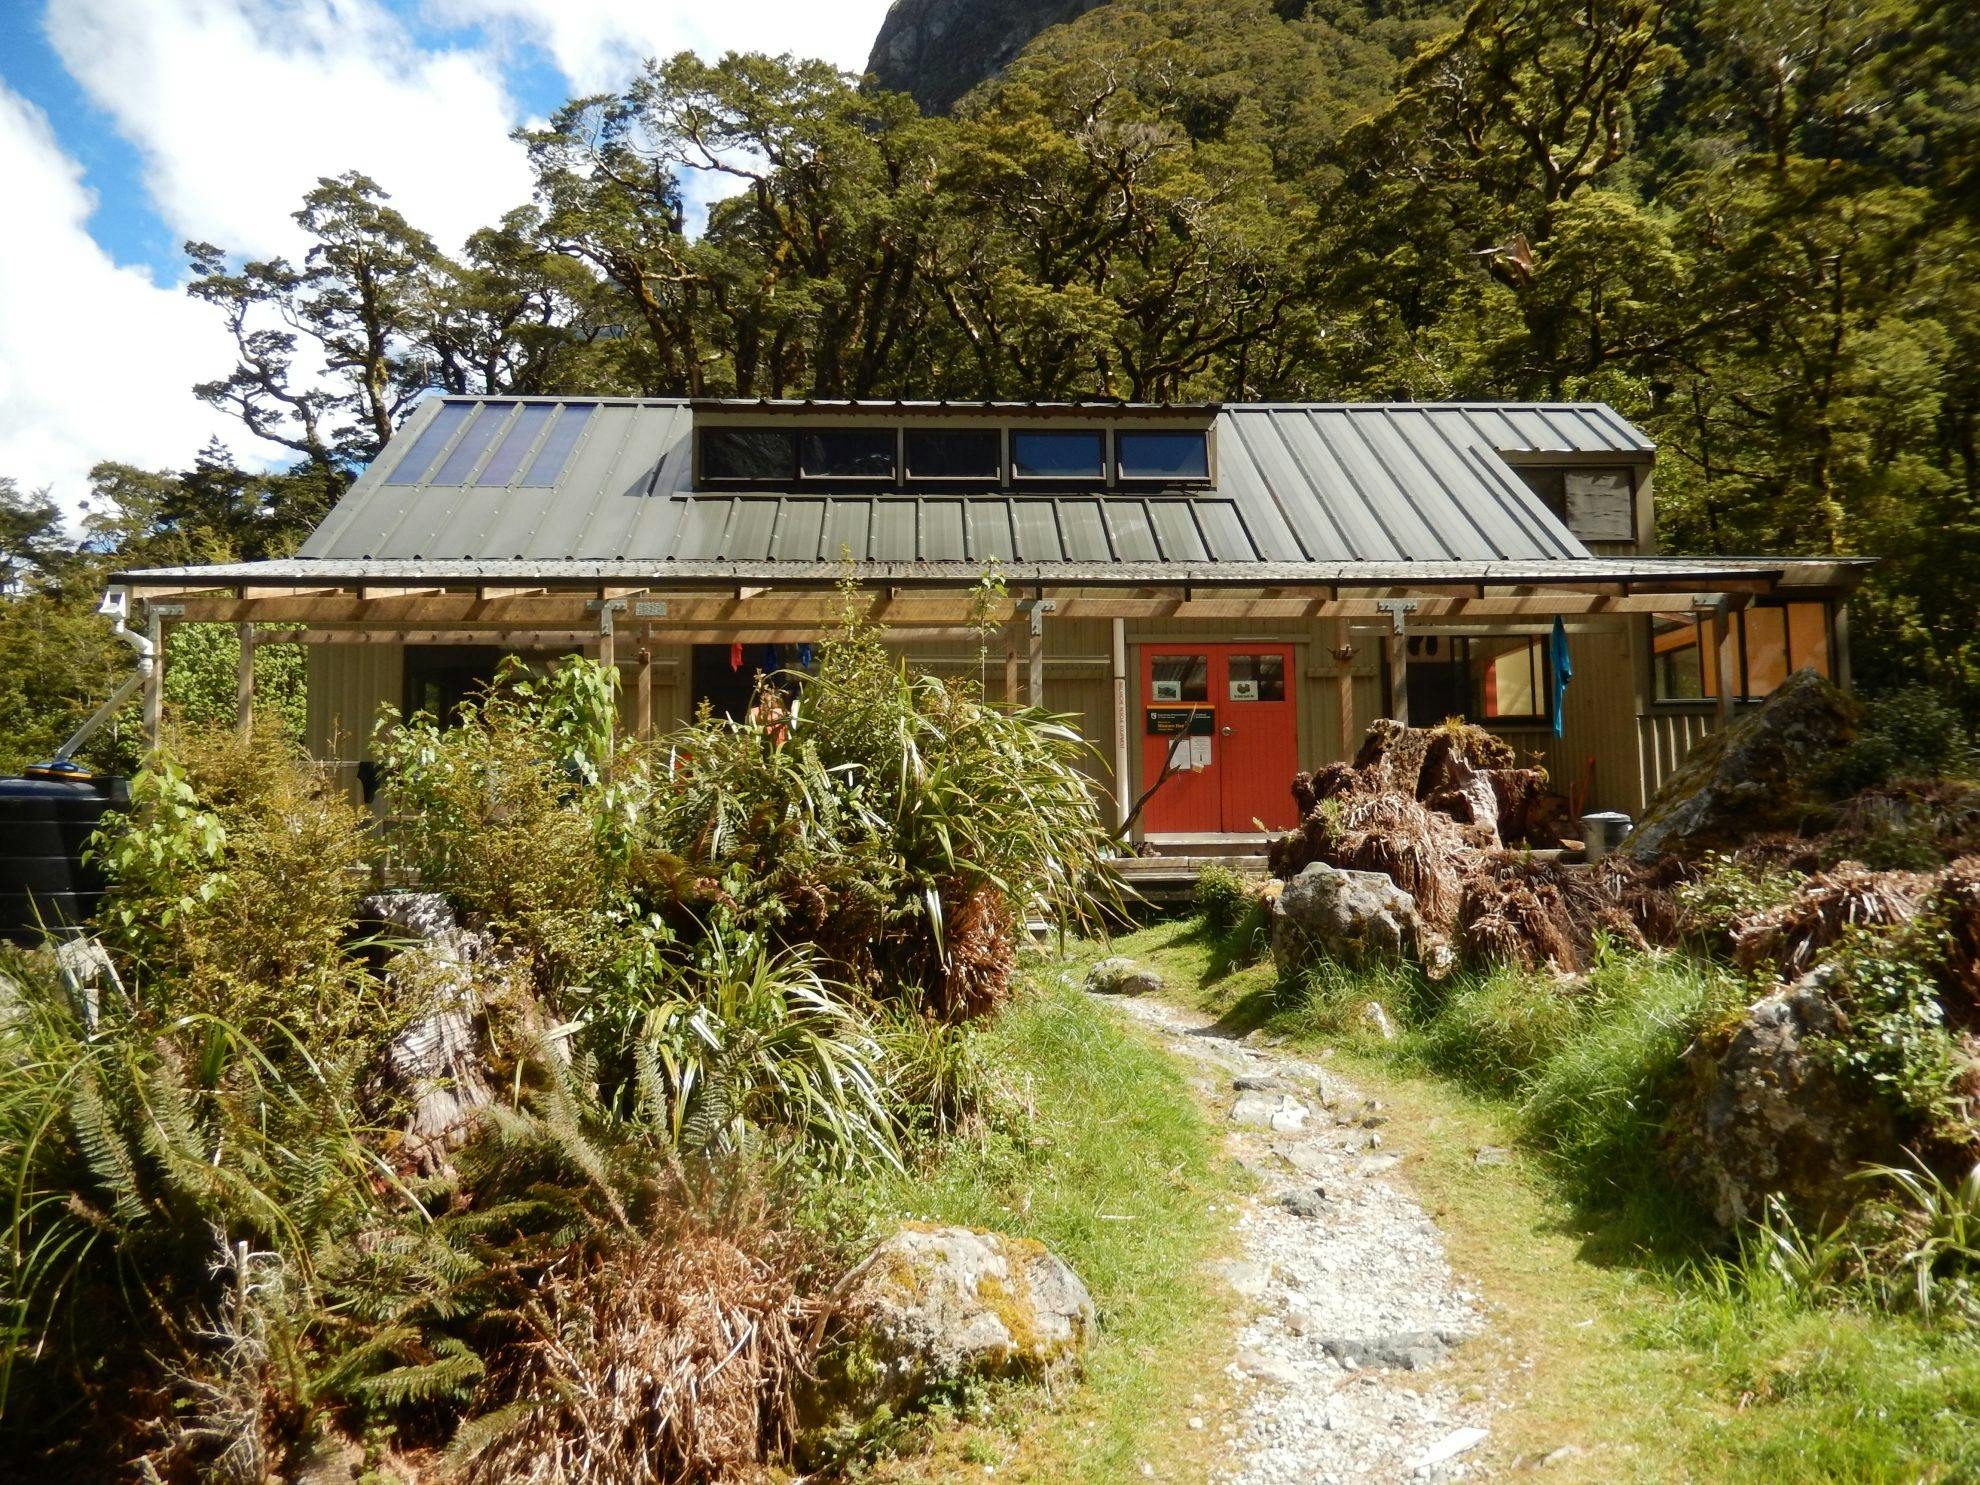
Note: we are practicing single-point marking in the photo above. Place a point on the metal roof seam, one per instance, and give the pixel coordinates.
(1278, 501)
(1385, 417)
(1464, 454)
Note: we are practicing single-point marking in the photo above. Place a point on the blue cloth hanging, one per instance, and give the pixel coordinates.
(771, 663)
(1563, 668)
(804, 657)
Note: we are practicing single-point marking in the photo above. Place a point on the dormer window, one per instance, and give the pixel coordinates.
(1178, 457)
(847, 454)
(955, 454)
(759, 455)
(967, 450)
(1059, 454)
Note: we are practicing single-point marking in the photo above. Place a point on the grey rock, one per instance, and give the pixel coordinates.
(1269, 1368)
(1357, 917)
(1489, 1155)
(1304, 1202)
(1279, 1112)
(1247, 1279)
(1304, 1156)
(934, 1306)
(1263, 1083)
(1754, 776)
(1410, 1350)
(937, 50)
(1117, 975)
(1773, 1115)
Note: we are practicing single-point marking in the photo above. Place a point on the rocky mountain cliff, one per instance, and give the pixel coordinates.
(937, 50)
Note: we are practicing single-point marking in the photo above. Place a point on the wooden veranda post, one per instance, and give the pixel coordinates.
(643, 695)
(1122, 803)
(1396, 647)
(1344, 686)
(154, 686)
(244, 684)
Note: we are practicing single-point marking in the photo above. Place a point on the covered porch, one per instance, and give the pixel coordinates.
(1216, 682)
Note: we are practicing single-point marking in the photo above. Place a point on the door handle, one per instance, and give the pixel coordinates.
(1227, 731)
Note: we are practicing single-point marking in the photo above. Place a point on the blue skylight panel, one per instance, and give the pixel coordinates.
(474, 443)
(548, 466)
(412, 466)
(515, 446)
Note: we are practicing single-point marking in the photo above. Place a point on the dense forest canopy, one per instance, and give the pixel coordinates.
(1748, 224)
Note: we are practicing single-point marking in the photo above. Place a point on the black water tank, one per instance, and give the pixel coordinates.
(44, 825)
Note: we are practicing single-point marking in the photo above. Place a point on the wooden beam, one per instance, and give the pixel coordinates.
(1123, 794)
(154, 685)
(643, 696)
(1343, 648)
(801, 616)
(1396, 647)
(1035, 690)
(244, 683)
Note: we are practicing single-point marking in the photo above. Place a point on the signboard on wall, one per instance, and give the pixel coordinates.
(1179, 721)
(1599, 504)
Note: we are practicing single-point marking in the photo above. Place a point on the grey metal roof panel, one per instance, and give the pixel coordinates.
(1084, 530)
(1036, 527)
(604, 479)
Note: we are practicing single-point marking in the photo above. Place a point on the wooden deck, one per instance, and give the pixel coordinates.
(1169, 876)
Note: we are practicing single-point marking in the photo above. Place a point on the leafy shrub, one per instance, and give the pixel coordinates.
(740, 1042)
(1896, 1038)
(508, 809)
(1727, 890)
(232, 883)
(1221, 896)
(897, 822)
(1908, 733)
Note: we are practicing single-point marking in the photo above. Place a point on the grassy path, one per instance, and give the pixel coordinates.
(1618, 1366)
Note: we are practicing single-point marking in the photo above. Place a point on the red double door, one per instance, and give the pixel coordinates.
(1221, 721)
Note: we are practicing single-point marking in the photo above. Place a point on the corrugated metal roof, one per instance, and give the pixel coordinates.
(601, 479)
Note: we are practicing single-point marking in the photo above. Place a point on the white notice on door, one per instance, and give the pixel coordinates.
(1191, 753)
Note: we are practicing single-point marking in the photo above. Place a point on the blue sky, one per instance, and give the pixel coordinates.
(129, 126)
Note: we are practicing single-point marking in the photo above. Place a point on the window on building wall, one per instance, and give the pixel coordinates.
(1771, 642)
(847, 454)
(768, 455)
(1059, 454)
(1480, 677)
(955, 454)
(1182, 456)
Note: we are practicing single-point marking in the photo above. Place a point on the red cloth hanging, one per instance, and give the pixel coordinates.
(735, 655)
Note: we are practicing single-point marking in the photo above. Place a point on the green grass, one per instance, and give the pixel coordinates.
(1114, 1167)
(1611, 1333)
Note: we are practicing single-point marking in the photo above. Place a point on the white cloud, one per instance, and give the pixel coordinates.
(96, 361)
(238, 106)
(597, 43)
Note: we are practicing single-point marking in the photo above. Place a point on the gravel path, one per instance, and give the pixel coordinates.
(1353, 1305)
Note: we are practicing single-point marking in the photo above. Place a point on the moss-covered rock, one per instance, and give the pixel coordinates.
(934, 1307)
(1761, 774)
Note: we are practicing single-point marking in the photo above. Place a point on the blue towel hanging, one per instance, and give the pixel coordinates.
(804, 657)
(1563, 668)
